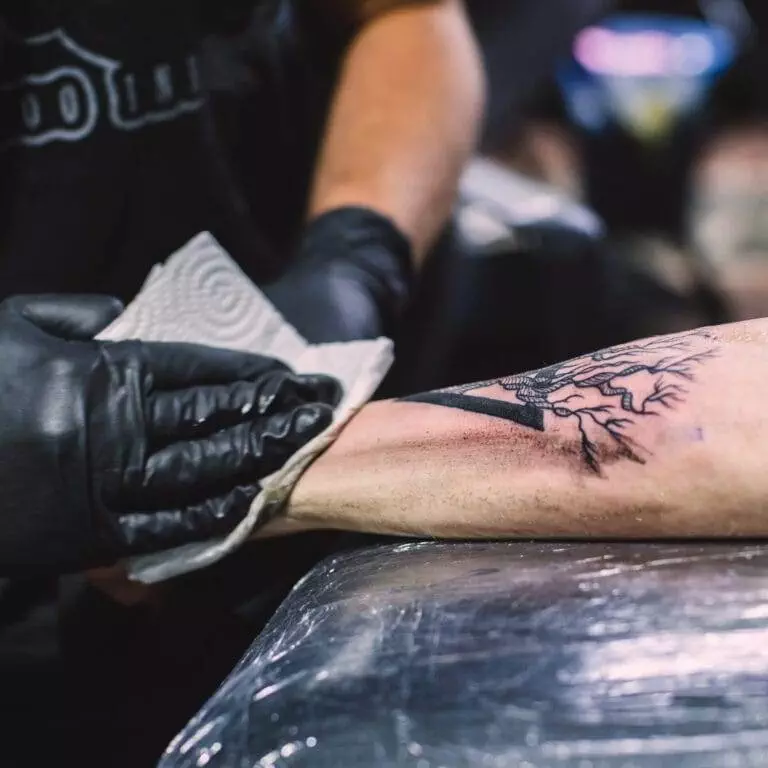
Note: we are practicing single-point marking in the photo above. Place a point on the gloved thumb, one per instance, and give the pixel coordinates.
(73, 317)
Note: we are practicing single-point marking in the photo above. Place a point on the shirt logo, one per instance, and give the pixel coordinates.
(66, 91)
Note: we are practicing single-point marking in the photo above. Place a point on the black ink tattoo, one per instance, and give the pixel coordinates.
(525, 415)
(606, 393)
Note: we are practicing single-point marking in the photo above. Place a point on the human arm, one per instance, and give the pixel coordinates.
(405, 116)
(666, 437)
(404, 119)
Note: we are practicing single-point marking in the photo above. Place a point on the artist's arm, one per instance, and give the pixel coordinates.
(404, 119)
(405, 115)
(664, 437)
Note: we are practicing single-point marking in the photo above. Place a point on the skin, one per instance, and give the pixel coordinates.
(405, 116)
(694, 466)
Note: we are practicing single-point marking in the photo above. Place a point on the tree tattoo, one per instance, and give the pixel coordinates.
(605, 393)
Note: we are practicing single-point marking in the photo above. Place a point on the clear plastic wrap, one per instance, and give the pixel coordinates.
(504, 654)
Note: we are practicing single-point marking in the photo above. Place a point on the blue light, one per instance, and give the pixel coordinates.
(643, 70)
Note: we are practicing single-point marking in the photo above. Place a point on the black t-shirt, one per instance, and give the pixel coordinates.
(127, 127)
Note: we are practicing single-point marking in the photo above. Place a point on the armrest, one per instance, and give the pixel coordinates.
(503, 655)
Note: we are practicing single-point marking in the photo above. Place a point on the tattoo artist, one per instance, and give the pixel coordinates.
(320, 141)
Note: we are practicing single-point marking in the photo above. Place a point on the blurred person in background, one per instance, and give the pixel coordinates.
(683, 205)
(727, 219)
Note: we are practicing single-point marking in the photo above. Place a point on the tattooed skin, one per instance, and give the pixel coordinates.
(606, 394)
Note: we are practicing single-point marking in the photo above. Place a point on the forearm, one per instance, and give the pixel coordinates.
(404, 119)
(668, 437)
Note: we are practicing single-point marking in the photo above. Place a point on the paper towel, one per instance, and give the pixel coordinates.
(201, 296)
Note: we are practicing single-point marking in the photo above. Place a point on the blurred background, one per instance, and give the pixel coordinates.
(621, 188)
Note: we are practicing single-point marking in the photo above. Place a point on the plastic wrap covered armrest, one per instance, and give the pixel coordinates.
(522, 655)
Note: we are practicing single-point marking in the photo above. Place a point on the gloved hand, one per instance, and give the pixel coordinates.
(351, 278)
(109, 449)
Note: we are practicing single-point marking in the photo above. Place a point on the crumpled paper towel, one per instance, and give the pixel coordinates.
(200, 295)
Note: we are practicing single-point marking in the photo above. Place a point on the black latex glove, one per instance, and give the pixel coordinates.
(111, 449)
(351, 278)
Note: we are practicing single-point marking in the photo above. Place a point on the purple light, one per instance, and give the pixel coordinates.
(645, 53)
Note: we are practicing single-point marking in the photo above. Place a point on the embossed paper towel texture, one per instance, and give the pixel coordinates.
(200, 295)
